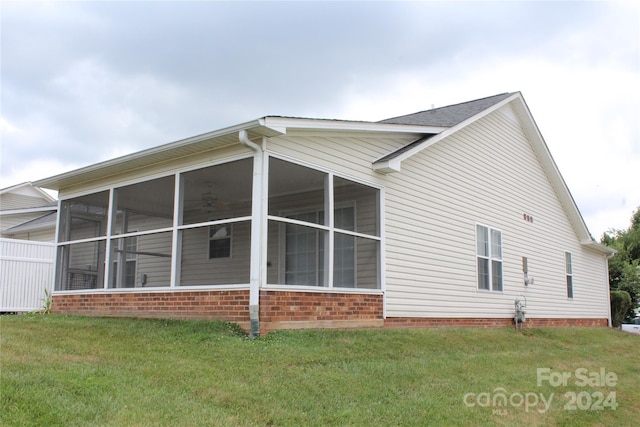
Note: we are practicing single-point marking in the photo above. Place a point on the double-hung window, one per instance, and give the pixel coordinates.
(489, 258)
(569, 273)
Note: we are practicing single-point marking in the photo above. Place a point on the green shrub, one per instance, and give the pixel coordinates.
(620, 304)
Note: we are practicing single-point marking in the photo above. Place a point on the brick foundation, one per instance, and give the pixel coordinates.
(542, 323)
(232, 305)
(418, 322)
(295, 310)
(432, 322)
(279, 309)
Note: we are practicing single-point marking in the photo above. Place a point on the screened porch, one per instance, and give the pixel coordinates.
(193, 229)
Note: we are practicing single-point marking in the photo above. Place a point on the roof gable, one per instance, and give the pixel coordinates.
(391, 162)
(29, 190)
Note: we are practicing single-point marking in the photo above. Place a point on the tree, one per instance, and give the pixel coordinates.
(624, 266)
(620, 304)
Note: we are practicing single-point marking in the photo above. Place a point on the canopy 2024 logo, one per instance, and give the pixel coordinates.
(582, 377)
(595, 400)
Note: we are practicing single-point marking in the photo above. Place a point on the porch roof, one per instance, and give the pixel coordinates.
(268, 126)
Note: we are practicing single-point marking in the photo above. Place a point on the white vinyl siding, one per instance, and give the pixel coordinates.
(152, 256)
(348, 156)
(129, 248)
(304, 250)
(198, 269)
(45, 235)
(432, 207)
(20, 201)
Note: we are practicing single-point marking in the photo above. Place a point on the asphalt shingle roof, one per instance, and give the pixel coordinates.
(450, 115)
(46, 220)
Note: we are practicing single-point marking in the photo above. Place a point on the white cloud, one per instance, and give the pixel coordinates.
(32, 171)
(87, 81)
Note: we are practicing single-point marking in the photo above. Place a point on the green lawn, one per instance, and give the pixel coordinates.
(73, 371)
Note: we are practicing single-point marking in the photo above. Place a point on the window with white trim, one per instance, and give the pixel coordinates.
(489, 258)
(569, 273)
(220, 241)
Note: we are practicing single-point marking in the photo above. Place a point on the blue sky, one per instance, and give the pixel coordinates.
(87, 81)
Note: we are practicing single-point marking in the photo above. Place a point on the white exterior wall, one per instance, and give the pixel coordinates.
(348, 156)
(198, 269)
(486, 173)
(21, 201)
(26, 271)
(46, 235)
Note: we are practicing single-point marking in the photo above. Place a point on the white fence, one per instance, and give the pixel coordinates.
(26, 270)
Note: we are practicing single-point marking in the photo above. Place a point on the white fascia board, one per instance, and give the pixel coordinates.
(29, 210)
(599, 247)
(13, 187)
(284, 123)
(43, 193)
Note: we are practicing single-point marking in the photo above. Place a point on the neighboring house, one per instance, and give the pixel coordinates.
(27, 213)
(443, 217)
(27, 232)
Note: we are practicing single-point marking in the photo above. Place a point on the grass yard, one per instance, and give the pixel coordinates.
(74, 371)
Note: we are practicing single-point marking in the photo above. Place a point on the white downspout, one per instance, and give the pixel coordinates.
(256, 234)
